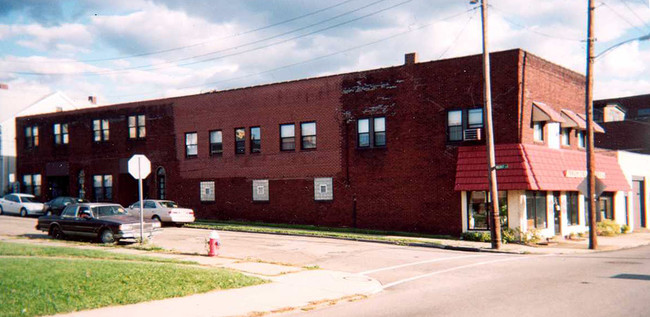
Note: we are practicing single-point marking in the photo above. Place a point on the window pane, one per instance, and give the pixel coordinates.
(540, 209)
(142, 132)
(309, 142)
(57, 128)
(131, 121)
(108, 180)
(28, 132)
(308, 128)
(105, 135)
(215, 137)
(96, 125)
(35, 132)
(288, 144)
(380, 138)
(132, 132)
(27, 180)
(141, 120)
(380, 125)
(97, 180)
(192, 150)
(190, 138)
(255, 133)
(287, 131)
(455, 118)
(240, 134)
(66, 140)
(477, 210)
(105, 124)
(475, 118)
(455, 133)
(363, 126)
(37, 179)
(364, 139)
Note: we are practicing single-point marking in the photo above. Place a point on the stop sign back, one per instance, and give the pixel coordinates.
(139, 166)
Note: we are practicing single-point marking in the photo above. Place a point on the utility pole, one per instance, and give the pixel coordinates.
(495, 228)
(589, 108)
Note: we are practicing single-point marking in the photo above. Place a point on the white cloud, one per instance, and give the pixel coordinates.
(71, 37)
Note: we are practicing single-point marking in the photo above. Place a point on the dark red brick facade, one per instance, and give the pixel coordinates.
(631, 134)
(408, 184)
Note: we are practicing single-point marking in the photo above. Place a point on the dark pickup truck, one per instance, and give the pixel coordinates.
(106, 222)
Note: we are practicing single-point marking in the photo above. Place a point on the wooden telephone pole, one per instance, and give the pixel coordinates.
(589, 109)
(495, 228)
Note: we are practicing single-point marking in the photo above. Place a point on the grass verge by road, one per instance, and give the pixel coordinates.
(64, 280)
(396, 237)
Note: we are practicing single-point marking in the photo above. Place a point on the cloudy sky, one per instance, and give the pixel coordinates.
(128, 50)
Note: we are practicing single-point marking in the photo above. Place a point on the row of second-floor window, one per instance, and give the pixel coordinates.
(565, 135)
(371, 132)
(32, 184)
(287, 139)
(101, 131)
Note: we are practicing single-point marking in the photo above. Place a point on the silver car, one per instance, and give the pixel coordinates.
(163, 211)
(23, 204)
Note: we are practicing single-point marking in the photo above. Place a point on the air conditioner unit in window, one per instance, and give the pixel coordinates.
(472, 134)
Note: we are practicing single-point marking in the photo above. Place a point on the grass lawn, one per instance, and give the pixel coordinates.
(43, 283)
(315, 231)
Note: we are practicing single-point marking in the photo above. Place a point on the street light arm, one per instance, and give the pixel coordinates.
(640, 38)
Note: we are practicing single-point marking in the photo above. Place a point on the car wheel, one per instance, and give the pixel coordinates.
(156, 217)
(179, 225)
(56, 233)
(107, 236)
(1, 211)
(23, 212)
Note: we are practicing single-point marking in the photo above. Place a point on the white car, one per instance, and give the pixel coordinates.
(23, 204)
(163, 211)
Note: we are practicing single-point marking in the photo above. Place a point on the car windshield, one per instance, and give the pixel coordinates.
(108, 211)
(27, 199)
(169, 204)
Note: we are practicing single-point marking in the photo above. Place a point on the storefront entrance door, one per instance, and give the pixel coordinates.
(639, 204)
(556, 212)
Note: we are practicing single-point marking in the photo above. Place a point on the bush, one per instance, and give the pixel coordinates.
(608, 228)
(625, 229)
(509, 235)
(531, 236)
(479, 236)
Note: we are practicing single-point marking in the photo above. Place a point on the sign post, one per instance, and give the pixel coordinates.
(139, 168)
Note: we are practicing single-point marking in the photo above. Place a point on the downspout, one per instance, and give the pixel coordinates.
(522, 96)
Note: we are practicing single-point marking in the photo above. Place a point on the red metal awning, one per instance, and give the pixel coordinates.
(534, 167)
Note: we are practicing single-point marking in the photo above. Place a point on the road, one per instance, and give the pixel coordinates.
(434, 282)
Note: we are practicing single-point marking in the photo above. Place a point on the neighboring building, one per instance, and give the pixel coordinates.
(637, 173)
(398, 148)
(56, 101)
(627, 121)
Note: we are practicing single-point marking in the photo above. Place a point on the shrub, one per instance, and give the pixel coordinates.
(625, 229)
(479, 236)
(509, 235)
(530, 236)
(608, 228)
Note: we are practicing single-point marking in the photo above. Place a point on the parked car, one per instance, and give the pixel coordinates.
(23, 204)
(106, 222)
(163, 211)
(56, 205)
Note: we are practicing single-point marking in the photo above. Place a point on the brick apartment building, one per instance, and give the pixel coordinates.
(627, 121)
(398, 148)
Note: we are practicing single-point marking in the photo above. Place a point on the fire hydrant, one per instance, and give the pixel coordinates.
(214, 243)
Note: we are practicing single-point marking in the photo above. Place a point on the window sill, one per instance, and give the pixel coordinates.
(191, 157)
(216, 155)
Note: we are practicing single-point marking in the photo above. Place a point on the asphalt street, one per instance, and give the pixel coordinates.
(434, 282)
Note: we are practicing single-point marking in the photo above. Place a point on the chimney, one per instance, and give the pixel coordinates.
(59, 109)
(92, 99)
(410, 58)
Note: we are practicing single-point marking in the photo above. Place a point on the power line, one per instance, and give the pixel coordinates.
(153, 66)
(196, 44)
(623, 17)
(457, 35)
(634, 13)
(313, 59)
(529, 29)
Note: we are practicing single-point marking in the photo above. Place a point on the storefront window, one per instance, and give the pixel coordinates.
(478, 203)
(536, 209)
(572, 208)
(604, 207)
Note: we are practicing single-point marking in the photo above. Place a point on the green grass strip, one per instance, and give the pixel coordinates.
(402, 238)
(24, 249)
(37, 286)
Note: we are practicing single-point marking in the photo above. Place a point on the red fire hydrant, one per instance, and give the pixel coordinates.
(214, 243)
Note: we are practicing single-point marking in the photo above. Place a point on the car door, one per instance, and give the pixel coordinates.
(13, 204)
(149, 209)
(67, 220)
(88, 226)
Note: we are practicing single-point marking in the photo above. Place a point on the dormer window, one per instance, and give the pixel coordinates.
(538, 131)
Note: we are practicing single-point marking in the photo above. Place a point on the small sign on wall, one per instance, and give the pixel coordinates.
(323, 189)
(207, 191)
(260, 190)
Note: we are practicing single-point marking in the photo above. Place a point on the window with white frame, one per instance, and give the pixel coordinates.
(101, 131)
(475, 118)
(580, 135)
(137, 128)
(60, 131)
(455, 125)
(538, 131)
(536, 209)
(191, 144)
(565, 135)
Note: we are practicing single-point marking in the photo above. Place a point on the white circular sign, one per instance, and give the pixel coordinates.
(139, 166)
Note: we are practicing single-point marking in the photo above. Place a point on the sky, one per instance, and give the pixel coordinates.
(130, 50)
